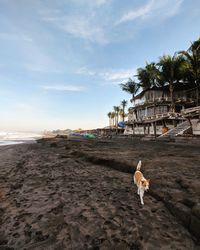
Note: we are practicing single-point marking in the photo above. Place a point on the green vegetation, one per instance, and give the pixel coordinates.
(192, 57)
(171, 72)
(181, 69)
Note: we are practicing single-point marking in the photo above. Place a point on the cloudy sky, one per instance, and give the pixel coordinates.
(61, 61)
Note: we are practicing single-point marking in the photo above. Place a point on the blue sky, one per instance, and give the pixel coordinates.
(61, 61)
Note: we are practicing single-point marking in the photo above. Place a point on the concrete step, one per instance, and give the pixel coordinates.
(180, 129)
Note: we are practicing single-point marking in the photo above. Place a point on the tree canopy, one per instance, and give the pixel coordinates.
(181, 68)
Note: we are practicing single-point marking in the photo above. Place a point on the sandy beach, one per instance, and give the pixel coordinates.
(79, 194)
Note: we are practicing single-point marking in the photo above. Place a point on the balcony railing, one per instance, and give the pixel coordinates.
(153, 101)
(190, 111)
(160, 100)
(169, 115)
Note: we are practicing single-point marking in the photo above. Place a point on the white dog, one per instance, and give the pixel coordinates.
(141, 182)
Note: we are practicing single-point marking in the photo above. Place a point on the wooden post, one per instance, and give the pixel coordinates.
(190, 124)
(148, 128)
(154, 128)
(133, 127)
(164, 123)
(174, 123)
(144, 129)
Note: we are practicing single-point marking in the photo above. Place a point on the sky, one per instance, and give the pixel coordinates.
(61, 62)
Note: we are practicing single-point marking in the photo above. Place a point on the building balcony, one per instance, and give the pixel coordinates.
(153, 101)
(154, 117)
(164, 100)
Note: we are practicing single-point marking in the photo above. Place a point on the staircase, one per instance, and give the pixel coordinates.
(191, 111)
(179, 130)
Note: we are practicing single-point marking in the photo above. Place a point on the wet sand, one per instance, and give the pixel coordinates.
(79, 194)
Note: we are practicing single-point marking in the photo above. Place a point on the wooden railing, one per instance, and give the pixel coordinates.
(157, 116)
(190, 110)
(165, 99)
(163, 115)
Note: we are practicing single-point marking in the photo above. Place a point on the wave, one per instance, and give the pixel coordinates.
(5, 143)
(11, 138)
(19, 135)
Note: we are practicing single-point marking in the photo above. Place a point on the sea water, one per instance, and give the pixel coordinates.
(11, 138)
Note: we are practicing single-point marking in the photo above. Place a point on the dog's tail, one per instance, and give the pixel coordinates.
(139, 165)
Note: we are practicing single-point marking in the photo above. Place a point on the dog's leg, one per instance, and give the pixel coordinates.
(138, 191)
(141, 196)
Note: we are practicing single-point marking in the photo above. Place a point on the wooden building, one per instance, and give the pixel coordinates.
(152, 113)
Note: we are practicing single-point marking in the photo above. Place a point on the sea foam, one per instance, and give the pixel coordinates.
(10, 138)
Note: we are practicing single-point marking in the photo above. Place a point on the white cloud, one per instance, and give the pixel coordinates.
(90, 25)
(63, 87)
(80, 27)
(140, 12)
(42, 67)
(113, 76)
(175, 9)
(47, 11)
(90, 2)
(99, 2)
(85, 71)
(153, 8)
(15, 37)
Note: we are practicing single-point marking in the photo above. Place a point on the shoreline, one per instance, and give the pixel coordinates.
(16, 142)
(79, 194)
(6, 142)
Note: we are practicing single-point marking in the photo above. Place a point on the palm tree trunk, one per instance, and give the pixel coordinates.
(123, 115)
(171, 89)
(117, 124)
(133, 99)
(197, 93)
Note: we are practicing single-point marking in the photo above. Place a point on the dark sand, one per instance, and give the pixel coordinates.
(72, 194)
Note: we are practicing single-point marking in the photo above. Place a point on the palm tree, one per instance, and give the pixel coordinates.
(113, 118)
(116, 110)
(120, 114)
(143, 78)
(131, 87)
(153, 74)
(109, 116)
(124, 104)
(171, 71)
(193, 65)
(148, 76)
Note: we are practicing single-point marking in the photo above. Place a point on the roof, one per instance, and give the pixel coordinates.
(140, 95)
(177, 87)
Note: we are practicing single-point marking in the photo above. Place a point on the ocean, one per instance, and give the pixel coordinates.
(11, 138)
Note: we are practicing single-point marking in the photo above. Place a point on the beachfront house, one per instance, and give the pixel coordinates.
(151, 113)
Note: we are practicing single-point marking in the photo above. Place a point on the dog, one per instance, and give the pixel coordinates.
(141, 182)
